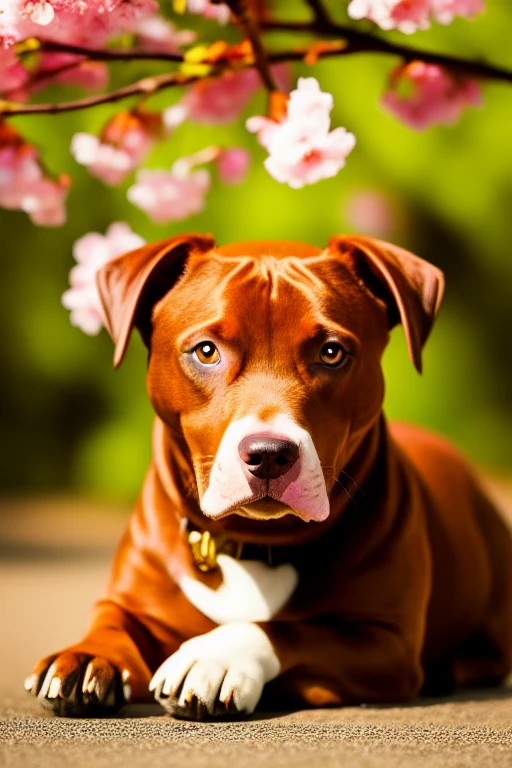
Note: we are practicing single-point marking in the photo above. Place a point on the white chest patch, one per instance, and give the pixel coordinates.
(250, 591)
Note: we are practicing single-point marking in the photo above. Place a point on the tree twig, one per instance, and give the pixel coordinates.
(364, 42)
(360, 43)
(250, 29)
(319, 12)
(110, 54)
(144, 87)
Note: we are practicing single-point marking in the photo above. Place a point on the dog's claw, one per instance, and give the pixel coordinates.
(77, 685)
(193, 709)
(30, 682)
(201, 693)
(196, 709)
(54, 689)
(127, 688)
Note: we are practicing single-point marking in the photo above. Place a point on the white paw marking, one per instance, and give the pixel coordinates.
(250, 591)
(228, 664)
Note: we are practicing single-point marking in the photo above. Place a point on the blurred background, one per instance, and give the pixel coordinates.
(71, 425)
(75, 437)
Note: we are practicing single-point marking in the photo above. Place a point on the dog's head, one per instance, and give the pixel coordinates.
(266, 356)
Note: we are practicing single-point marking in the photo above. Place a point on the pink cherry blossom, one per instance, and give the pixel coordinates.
(103, 161)
(170, 195)
(19, 171)
(69, 69)
(444, 11)
(39, 12)
(209, 10)
(124, 144)
(13, 75)
(82, 21)
(371, 212)
(156, 35)
(302, 149)
(23, 185)
(124, 14)
(45, 201)
(434, 95)
(233, 164)
(411, 15)
(9, 20)
(404, 15)
(220, 100)
(64, 69)
(91, 252)
(215, 101)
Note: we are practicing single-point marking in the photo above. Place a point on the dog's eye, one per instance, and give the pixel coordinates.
(207, 353)
(332, 354)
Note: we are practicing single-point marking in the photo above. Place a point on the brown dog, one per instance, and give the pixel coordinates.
(287, 542)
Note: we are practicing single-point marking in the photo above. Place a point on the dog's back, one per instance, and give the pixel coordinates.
(471, 549)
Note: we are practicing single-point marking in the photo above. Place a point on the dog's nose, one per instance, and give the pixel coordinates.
(266, 456)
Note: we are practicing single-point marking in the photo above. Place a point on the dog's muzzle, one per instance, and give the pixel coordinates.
(266, 470)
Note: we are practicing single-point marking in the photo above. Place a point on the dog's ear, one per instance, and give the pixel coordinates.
(411, 288)
(130, 285)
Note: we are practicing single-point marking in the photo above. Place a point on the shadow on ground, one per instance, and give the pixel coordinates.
(57, 565)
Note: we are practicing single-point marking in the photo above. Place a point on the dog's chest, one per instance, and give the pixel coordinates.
(250, 591)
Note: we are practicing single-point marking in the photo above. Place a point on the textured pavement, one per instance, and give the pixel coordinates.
(54, 562)
(475, 731)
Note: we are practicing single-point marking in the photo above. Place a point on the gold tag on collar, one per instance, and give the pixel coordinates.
(203, 549)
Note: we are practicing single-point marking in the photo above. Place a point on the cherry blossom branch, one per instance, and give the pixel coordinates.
(145, 87)
(40, 78)
(249, 26)
(148, 85)
(365, 42)
(110, 54)
(356, 42)
(320, 13)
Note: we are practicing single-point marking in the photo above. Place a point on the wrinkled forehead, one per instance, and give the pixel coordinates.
(296, 287)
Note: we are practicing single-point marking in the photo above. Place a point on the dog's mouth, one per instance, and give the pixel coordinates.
(263, 506)
(265, 471)
(264, 509)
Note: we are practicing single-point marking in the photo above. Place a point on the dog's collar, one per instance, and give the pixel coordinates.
(205, 547)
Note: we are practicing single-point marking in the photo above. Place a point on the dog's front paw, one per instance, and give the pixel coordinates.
(77, 685)
(219, 674)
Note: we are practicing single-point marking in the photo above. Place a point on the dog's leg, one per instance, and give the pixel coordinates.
(348, 663)
(218, 674)
(223, 672)
(100, 674)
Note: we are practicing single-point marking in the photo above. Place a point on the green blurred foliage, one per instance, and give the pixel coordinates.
(70, 422)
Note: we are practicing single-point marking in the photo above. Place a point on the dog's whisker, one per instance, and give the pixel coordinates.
(345, 489)
(359, 491)
(358, 487)
(329, 467)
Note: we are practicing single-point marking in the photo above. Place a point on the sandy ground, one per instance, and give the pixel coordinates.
(54, 560)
